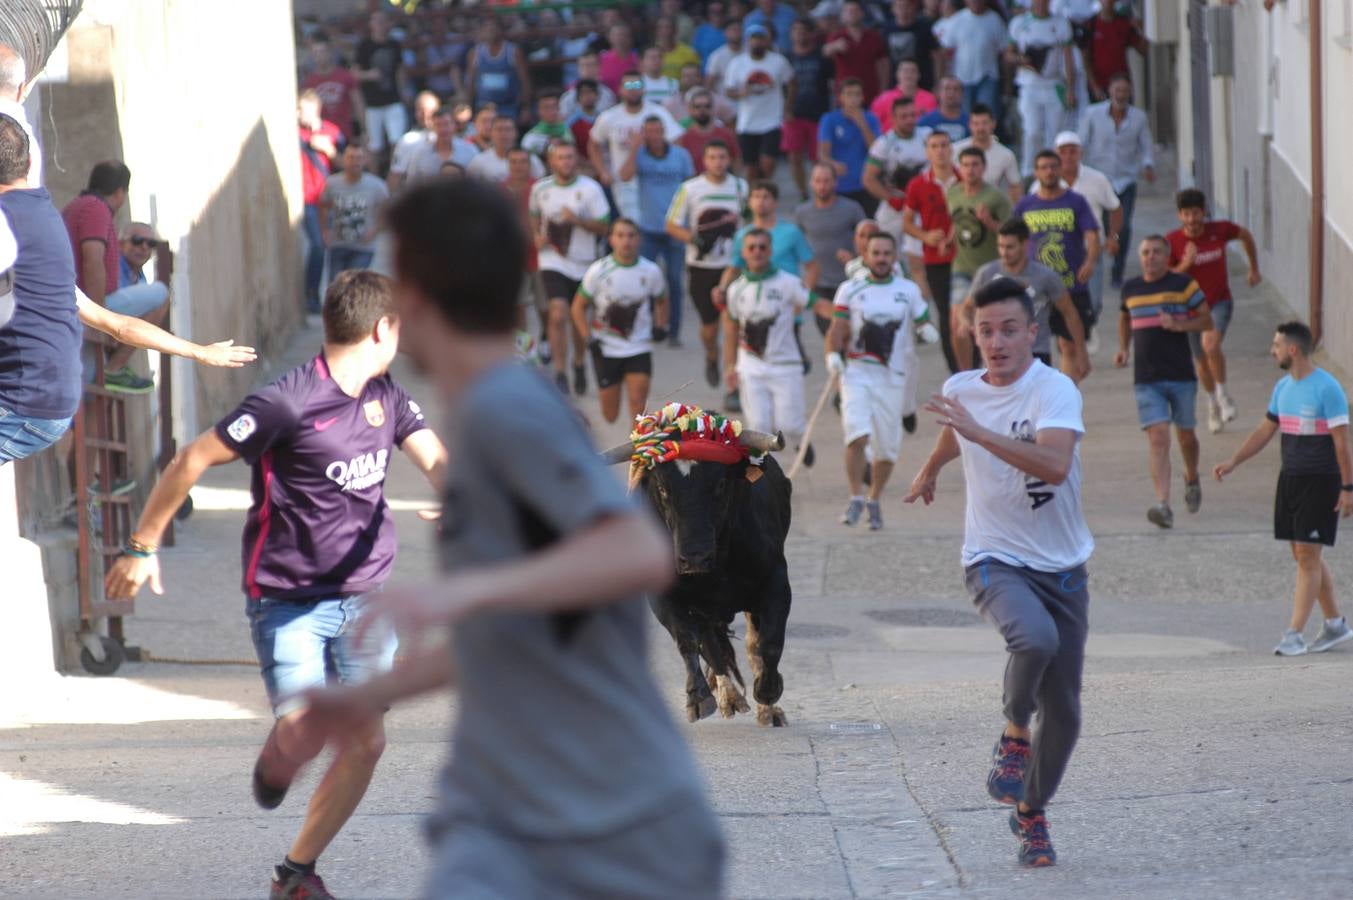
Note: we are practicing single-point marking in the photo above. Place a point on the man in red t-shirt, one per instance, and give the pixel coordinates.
(1199, 251)
(337, 88)
(925, 216)
(1111, 35)
(320, 141)
(858, 52)
(703, 128)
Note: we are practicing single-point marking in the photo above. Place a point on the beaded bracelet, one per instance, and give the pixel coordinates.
(139, 549)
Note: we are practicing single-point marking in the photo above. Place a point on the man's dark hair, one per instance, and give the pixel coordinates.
(902, 101)
(756, 231)
(716, 144)
(590, 83)
(109, 177)
(1015, 228)
(622, 220)
(445, 109)
(938, 133)
(1002, 289)
(1190, 198)
(630, 74)
(1119, 76)
(972, 151)
(883, 236)
(1159, 239)
(355, 301)
(461, 243)
(806, 22)
(1297, 334)
(653, 118)
(547, 95)
(1047, 154)
(769, 187)
(14, 151)
(850, 82)
(981, 109)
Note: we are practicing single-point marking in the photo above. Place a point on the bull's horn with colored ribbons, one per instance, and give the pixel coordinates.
(761, 441)
(618, 454)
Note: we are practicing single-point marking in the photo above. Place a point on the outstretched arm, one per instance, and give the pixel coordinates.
(1048, 458)
(1257, 440)
(140, 333)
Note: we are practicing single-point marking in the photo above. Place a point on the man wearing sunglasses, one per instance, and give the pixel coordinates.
(613, 134)
(135, 295)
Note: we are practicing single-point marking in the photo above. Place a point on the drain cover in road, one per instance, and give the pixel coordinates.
(809, 630)
(855, 727)
(926, 617)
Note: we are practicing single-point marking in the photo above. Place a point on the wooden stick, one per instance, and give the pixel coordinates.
(812, 421)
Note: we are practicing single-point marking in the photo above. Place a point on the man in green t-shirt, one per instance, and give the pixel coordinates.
(978, 208)
(550, 129)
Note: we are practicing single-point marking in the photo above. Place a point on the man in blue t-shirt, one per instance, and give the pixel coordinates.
(318, 539)
(1315, 483)
(844, 137)
(949, 116)
(660, 167)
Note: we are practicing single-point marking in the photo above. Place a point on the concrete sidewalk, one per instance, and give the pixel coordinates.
(1207, 767)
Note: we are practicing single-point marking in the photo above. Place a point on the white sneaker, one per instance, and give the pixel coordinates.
(1214, 422)
(1092, 345)
(1292, 644)
(1331, 636)
(1228, 407)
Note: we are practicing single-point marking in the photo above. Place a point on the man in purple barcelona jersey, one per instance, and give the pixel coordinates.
(318, 539)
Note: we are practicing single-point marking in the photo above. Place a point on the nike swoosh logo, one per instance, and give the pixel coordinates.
(323, 424)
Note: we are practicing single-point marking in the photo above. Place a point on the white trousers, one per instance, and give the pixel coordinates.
(1042, 116)
(774, 401)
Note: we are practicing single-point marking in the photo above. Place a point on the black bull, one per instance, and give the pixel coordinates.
(728, 533)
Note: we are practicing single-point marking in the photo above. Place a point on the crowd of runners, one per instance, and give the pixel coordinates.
(573, 183)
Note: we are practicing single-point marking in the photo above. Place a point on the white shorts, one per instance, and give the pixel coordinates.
(773, 401)
(871, 406)
(385, 125)
(909, 379)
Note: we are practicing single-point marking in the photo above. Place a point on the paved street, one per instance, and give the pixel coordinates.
(1208, 768)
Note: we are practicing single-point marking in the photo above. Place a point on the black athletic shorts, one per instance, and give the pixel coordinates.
(559, 286)
(700, 284)
(1303, 508)
(757, 146)
(611, 370)
(1080, 298)
(828, 293)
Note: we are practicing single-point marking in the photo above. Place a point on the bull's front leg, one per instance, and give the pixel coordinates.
(700, 701)
(765, 645)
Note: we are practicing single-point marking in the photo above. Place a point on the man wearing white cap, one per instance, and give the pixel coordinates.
(1098, 191)
(758, 80)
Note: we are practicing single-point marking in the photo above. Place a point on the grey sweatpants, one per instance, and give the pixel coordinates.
(1044, 617)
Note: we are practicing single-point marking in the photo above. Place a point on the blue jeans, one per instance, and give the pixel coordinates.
(987, 92)
(301, 644)
(1166, 401)
(314, 257)
(341, 259)
(669, 253)
(22, 436)
(1127, 199)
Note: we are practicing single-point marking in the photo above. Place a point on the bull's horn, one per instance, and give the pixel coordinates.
(618, 454)
(759, 440)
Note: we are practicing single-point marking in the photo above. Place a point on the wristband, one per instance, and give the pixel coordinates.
(136, 554)
(139, 549)
(1346, 487)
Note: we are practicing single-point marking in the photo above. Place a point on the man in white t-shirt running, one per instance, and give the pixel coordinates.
(628, 296)
(1017, 425)
(873, 321)
(569, 213)
(761, 357)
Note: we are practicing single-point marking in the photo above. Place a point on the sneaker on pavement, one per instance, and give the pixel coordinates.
(1331, 636)
(1035, 847)
(875, 514)
(561, 382)
(1092, 343)
(909, 423)
(1009, 757)
(1193, 495)
(125, 381)
(1214, 422)
(1227, 407)
(712, 372)
(809, 456)
(579, 380)
(853, 512)
(1292, 644)
(1161, 515)
(732, 402)
(673, 340)
(291, 885)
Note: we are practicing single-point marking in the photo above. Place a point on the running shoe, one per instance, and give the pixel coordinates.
(809, 456)
(1227, 406)
(673, 340)
(1331, 636)
(909, 423)
(875, 514)
(579, 380)
(732, 402)
(125, 381)
(1214, 422)
(853, 512)
(712, 372)
(1092, 343)
(1292, 644)
(1035, 847)
(561, 382)
(1193, 495)
(1005, 782)
(290, 885)
(1161, 515)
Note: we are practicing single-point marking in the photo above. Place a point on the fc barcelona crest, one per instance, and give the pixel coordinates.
(375, 413)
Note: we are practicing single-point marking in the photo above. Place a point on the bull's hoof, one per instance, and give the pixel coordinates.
(771, 715)
(701, 710)
(731, 700)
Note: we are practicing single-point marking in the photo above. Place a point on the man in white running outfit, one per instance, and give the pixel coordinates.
(761, 356)
(873, 322)
(1041, 49)
(1017, 426)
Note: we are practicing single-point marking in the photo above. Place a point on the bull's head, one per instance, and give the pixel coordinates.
(696, 495)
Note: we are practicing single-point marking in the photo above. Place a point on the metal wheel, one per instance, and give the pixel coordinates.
(113, 656)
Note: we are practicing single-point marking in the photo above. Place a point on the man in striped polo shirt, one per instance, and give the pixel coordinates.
(1160, 310)
(1315, 484)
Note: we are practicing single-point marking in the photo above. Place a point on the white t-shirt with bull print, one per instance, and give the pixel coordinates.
(881, 315)
(622, 298)
(764, 307)
(712, 211)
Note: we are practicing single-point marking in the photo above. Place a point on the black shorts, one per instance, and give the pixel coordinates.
(559, 286)
(611, 370)
(700, 284)
(1304, 508)
(756, 146)
(824, 292)
(1080, 298)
